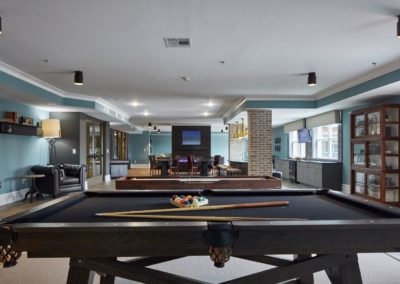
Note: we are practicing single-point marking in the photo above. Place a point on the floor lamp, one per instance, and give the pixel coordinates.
(51, 130)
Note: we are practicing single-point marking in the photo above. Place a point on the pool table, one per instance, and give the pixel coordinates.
(324, 229)
(198, 182)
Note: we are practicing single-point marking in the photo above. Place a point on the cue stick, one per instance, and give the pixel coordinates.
(202, 218)
(212, 207)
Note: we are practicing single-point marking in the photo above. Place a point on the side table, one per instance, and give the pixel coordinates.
(32, 189)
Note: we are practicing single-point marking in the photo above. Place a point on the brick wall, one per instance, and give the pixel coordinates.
(259, 142)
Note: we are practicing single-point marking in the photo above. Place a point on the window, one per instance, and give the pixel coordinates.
(296, 149)
(325, 142)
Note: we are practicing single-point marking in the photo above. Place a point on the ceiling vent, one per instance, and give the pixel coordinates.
(177, 42)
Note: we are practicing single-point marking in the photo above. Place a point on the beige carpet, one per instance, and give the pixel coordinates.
(375, 268)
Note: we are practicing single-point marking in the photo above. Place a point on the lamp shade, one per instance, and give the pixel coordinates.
(51, 128)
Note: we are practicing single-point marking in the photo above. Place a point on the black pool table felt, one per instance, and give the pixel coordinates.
(303, 206)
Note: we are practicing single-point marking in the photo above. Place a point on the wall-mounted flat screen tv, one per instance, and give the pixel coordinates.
(191, 137)
(304, 135)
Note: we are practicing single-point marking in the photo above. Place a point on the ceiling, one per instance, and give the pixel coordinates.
(241, 49)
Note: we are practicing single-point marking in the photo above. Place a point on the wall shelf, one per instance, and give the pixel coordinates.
(18, 129)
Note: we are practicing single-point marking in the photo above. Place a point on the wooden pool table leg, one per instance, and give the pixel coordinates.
(77, 274)
(308, 278)
(347, 273)
(107, 279)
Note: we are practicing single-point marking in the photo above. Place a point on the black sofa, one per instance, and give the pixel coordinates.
(60, 179)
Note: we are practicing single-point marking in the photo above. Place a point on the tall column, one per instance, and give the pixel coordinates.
(231, 133)
(259, 142)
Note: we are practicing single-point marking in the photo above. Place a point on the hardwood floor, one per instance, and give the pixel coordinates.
(16, 207)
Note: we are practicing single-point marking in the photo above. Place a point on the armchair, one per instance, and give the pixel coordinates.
(60, 179)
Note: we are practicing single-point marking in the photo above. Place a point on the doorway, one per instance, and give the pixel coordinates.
(94, 150)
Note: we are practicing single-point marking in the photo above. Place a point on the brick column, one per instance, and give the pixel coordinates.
(259, 142)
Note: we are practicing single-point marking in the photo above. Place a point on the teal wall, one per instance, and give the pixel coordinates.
(161, 143)
(219, 144)
(138, 147)
(284, 151)
(346, 167)
(19, 153)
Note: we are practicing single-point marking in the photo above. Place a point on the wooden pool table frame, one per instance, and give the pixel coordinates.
(183, 183)
(96, 246)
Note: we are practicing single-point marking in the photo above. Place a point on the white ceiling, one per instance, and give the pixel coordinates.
(267, 47)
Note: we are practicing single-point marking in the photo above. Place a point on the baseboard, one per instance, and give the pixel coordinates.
(13, 196)
(346, 188)
(140, 166)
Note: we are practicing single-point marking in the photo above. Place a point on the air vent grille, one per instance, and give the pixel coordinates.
(177, 42)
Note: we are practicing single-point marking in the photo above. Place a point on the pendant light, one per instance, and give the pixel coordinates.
(312, 79)
(78, 78)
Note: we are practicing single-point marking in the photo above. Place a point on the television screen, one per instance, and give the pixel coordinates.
(191, 137)
(304, 135)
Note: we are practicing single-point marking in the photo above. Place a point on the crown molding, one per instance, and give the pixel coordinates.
(377, 72)
(14, 72)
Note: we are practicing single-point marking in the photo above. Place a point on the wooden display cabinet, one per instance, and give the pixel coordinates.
(375, 153)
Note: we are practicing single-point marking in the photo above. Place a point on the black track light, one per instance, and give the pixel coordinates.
(155, 128)
(78, 78)
(226, 128)
(159, 130)
(149, 124)
(398, 26)
(312, 79)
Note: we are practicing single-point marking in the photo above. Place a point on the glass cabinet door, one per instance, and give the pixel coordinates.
(374, 123)
(373, 186)
(392, 187)
(391, 114)
(359, 154)
(374, 155)
(359, 185)
(359, 125)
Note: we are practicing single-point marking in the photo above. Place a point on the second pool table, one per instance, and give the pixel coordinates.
(198, 182)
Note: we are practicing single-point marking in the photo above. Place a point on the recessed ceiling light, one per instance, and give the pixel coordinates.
(210, 103)
(206, 114)
(185, 78)
(146, 113)
(135, 104)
